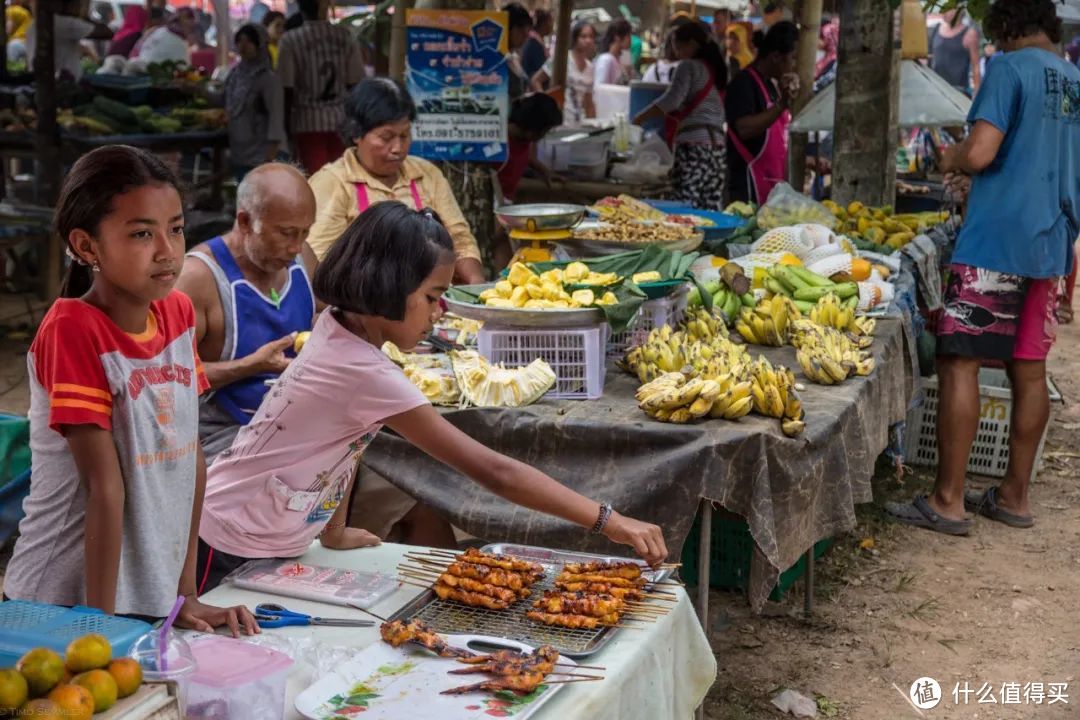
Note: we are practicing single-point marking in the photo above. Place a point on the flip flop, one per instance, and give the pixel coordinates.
(919, 514)
(985, 504)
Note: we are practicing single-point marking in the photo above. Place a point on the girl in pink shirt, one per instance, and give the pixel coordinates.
(285, 479)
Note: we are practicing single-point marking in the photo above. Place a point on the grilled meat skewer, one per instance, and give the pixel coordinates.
(490, 575)
(629, 570)
(593, 605)
(577, 622)
(595, 587)
(499, 593)
(607, 580)
(446, 592)
(397, 633)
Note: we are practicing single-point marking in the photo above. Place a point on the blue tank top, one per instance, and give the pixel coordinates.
(255, 320)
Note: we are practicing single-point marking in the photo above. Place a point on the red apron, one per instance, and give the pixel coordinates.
(362, 203)
(673, 120)
(769, 166)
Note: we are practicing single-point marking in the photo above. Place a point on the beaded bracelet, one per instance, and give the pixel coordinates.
(602, 518)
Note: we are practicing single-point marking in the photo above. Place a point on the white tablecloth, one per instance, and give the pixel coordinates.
(660, 672)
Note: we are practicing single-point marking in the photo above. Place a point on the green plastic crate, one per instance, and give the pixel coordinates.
(732, 549)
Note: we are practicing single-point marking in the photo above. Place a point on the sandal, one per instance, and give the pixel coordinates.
(985, 504)
(919, 514)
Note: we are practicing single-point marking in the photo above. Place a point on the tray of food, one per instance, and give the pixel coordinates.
(415, 672)
(571, 601)
(608, 236)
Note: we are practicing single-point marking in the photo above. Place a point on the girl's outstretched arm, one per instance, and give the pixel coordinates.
(95, 456)
(518, 482)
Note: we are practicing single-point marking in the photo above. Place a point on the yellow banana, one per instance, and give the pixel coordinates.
(739, 408)
(792, 428)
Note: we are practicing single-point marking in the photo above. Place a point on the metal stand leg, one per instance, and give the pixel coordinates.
(808, 583)
(704, 563)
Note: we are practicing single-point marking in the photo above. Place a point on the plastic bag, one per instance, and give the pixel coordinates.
(651, 162)
(787, 207)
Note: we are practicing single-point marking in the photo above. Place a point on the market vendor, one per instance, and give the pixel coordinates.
(757, 107)
(694, 118)
(379, 116)
(70, 28)
(285, 480)
(251, 294)
(578, 94)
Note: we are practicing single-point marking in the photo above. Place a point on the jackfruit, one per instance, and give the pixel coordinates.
(436, 385)
(575, 271)
(644, 277)
(519, 274)
(486, 385)
(583, 297)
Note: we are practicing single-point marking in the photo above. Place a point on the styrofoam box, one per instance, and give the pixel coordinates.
(653, 314)
(990, 451)
(575, 354)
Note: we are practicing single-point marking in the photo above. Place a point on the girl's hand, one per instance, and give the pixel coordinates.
(646, 538)
(347, 538)
(195, 615)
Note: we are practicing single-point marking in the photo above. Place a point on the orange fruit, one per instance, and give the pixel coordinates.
(73, 702)
(42, 709)
(13, 690)
(128, 676)
(90, 652)
(42, 669)
(101, 686)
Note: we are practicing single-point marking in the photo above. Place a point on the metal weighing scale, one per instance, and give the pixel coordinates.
(537, 225)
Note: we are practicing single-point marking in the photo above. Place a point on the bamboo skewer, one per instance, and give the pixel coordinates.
(559, 682)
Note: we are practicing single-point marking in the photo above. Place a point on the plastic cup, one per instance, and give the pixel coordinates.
(161, 663)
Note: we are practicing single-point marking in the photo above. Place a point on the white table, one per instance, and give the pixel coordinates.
(661, 671)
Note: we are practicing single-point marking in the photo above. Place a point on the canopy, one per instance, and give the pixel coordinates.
(1069, 10)
(926, 100)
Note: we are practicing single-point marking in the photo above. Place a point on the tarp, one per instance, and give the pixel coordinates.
(793, 492)
(926, 100)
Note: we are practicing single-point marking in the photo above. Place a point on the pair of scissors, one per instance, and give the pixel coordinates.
(272, 615)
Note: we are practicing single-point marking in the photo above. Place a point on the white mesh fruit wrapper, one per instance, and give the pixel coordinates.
(756, 260)
(832, 265)
(872, 296)
(816, 235)
(820, 253)
(782, 240)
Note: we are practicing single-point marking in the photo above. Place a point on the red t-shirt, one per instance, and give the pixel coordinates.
(517, 162)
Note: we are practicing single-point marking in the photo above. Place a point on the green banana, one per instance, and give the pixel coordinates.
(810, 277)
(846, 290)
(748, 299)
(732, 308)
(804, 306)
(776, 287)
(788, 278)
(812, 294)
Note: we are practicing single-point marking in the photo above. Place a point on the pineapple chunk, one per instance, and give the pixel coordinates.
(519, 274)
(585, 298)
(644, 277)
(575, 272)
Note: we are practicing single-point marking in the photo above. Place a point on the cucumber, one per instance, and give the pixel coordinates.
(116, 110)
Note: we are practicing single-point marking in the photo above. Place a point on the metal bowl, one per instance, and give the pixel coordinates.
(540, 217)
(520, 317)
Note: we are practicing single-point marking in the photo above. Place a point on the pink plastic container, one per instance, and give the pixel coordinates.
(236, 680)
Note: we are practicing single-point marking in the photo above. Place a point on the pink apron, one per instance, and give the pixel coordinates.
(363, 204)
(769, 167)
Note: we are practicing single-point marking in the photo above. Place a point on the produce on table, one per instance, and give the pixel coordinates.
(831, 312)
(42, 683)
(742, 209)
(486, 385)
(767, 322)
(626, 208)
(878, 229)
(632, 231)
(103, 116)
(523, 288)
(773, 390)
(826, 355)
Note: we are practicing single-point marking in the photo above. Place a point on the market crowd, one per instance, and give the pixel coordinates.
(151, 377)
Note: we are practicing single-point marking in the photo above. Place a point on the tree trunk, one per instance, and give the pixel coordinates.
(48, 159)
(809, 14)
(867, 102)
(398, 33)
(471, 183)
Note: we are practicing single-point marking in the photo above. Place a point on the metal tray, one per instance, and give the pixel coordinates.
(450, 617)
(520, 317)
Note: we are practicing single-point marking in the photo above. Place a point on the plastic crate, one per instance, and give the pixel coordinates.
(575, 354)
(732, 550)
(26, 625)
(652, 314)
(990, 451)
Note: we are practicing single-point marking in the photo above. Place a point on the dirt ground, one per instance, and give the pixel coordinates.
(997, 607)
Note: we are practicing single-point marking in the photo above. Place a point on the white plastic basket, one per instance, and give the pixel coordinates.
(990, 451)
(575, 354)
(652, 314)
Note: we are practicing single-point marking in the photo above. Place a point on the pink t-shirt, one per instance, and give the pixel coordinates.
(271, 494)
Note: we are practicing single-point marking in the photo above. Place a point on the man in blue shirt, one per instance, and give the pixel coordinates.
(1023, 157)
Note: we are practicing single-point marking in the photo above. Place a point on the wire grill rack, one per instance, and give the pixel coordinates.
(447, 616)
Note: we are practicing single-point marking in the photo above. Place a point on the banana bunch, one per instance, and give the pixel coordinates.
(675, 398)
(774, 394)
(831, 311)
(767, 322)
(703, 325)
(828, 356)
(692, 349)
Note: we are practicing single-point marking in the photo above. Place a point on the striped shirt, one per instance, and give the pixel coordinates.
(705, 123)
(319, 62)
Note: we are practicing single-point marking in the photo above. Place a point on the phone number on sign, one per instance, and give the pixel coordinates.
(452, 127)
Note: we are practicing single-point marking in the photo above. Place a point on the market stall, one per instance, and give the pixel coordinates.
(662, 670)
